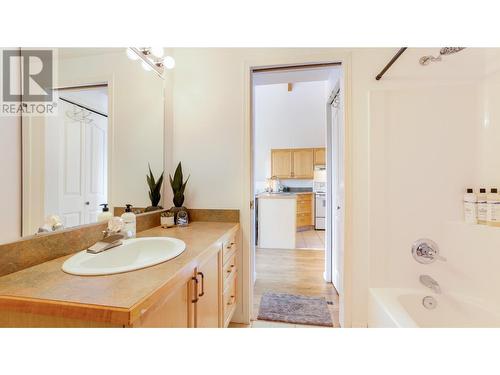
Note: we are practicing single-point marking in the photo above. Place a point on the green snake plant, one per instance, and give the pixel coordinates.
(178, 186)
(154, 188)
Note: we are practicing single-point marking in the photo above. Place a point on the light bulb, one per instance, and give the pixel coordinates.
(169, 62)
(146, 66)
(131, 54)
(157, 51)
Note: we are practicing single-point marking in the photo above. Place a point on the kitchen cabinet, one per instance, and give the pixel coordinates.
(305, 210)
(303, 163)
(319, 156)
(281, 161)
(292, 163)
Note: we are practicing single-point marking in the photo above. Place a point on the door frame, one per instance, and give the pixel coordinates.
(247, 218)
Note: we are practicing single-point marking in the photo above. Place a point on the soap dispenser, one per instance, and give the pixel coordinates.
(129, 221)
(105, 215)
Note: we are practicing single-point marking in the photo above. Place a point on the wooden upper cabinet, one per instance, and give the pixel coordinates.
(296, 163)
(281, 163)
(303, 163)
(319, 156)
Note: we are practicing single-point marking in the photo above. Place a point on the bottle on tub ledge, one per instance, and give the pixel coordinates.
(493, 208)
(129, 221)
(482, 206)
(470, 209)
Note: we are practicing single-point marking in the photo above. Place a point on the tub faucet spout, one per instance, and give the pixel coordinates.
(430, 283)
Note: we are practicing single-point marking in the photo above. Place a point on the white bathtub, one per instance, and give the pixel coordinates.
(390, 307)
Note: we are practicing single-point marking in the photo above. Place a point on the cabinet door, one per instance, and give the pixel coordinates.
(303, 163)
(319, 156)
(207, 307)
(281, 163)
(175, 311)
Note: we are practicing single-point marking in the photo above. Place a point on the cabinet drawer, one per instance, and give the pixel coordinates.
(229, 268)
(230, 299)
(304, 197)
(304, 219)
(304, 207)
(229, 249)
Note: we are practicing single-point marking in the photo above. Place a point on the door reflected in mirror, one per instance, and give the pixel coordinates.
(95, 149)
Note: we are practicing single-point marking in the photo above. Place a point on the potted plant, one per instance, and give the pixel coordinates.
(167, 219)
(178, 186)
(154, 191)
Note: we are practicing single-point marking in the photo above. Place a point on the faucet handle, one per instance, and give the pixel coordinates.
(426, 251)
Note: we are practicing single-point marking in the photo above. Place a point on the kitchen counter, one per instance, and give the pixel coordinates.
(115, 299)
(284, 195)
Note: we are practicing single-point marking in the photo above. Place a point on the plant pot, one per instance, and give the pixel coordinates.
(167, 221)
(153, 208)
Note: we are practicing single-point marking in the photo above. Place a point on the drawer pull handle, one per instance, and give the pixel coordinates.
(195, 279)
(231, 245)
(230, 269)
(202, 284)
(231, 301)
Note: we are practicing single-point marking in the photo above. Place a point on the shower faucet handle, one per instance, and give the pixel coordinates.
(426, 251)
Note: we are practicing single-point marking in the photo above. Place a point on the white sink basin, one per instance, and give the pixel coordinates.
(134, 254)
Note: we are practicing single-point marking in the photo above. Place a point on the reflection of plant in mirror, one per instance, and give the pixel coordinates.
(154, 189)
(178, 186)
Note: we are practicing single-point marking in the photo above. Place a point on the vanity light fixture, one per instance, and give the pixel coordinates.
(152, 58)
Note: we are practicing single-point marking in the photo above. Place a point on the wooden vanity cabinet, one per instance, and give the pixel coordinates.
(194, 303)
(205, 298)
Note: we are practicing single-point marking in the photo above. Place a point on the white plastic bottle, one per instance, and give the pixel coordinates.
(493, 212)
(129, 221)
(470, 201)
(482, 206)
(105, 215)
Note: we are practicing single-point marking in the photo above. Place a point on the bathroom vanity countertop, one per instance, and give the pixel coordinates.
(118, 298)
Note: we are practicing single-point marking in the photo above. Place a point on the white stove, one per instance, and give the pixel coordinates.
(319, 188)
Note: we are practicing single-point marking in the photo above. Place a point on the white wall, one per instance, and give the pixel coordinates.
(208, 123)
(284, 119)
(10, 175)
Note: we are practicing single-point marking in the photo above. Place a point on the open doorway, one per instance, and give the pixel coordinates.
(294, 166)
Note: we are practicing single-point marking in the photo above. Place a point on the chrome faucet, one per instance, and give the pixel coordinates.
(111, 239)
(426, 251)
(430, 283)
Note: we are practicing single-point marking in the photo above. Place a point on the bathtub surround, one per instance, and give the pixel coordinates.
(30, 251)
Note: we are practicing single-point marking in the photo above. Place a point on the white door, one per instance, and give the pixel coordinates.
(96, 140)
(71, 169)
(338, 197)
(82, 167)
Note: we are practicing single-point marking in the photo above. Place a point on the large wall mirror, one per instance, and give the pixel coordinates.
(108, 130)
